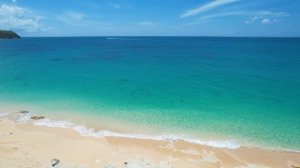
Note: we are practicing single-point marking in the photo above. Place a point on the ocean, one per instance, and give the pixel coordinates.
(241, 89)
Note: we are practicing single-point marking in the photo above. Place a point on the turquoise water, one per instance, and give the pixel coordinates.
(243, 88)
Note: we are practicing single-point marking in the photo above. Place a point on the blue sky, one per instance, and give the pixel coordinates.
(151, 17)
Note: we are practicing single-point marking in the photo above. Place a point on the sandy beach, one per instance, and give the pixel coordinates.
(23, 144)
(149, 84)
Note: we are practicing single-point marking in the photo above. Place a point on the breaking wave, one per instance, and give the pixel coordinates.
(85, 131)
(91, 132)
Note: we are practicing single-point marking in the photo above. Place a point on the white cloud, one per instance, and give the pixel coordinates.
(82, 21)
(266, 21)
(14, 1)
(16, 17)
(217, 15)
(269, 21)
(252, 19)
(206, 7)
(113, 5)
(147, 24)
(274, 14)
(265, 17)
(71, 17)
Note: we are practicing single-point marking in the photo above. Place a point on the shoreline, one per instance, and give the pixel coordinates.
(93, 126)
(185, 153)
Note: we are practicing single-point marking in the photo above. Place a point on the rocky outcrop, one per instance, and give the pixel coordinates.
(8, 34)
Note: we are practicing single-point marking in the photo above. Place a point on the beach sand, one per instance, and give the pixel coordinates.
(29, 146)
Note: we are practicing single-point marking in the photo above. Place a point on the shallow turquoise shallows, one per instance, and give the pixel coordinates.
(243, 88)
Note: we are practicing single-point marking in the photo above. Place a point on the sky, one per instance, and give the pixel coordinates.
(269, 18)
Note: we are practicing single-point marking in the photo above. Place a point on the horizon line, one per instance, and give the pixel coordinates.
(161, 36)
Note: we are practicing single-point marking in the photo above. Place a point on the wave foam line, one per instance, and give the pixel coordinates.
(84, 131)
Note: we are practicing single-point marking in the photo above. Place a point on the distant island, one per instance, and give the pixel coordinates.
(8, 34)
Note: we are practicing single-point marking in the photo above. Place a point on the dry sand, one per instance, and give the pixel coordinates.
(25, 145)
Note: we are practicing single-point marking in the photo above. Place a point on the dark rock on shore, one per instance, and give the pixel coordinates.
(37, 117)
(8, 34)
(24, 112)
(55, 162)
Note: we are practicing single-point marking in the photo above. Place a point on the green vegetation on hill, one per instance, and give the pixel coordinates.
(8, 34)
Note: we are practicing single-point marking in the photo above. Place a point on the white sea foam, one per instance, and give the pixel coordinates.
(20, 117)
(24, 117)
(85, 131)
